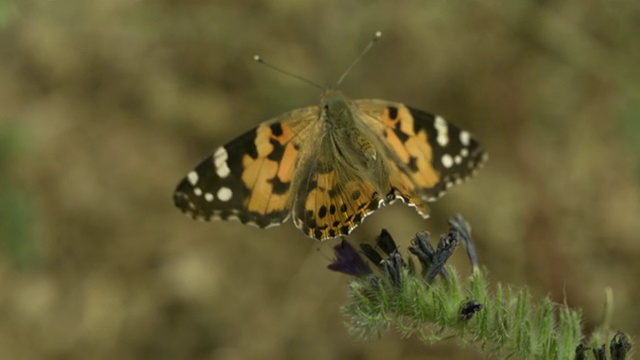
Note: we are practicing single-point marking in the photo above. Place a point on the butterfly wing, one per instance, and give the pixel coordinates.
(250, 179)
(333, 199)
(427, 154)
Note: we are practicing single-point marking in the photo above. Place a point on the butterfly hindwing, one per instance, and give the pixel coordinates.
(333, 201)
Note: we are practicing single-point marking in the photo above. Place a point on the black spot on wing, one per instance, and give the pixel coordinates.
(412, 164)
(276, 129)
(310, 220)
(357, 218)
(279, 187)
(277, 152)
(393, 112)
(322, 212)
(334, 192)
(399, 133)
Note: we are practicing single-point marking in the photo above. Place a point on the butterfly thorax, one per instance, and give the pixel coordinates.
(348, 154)
(344, 130)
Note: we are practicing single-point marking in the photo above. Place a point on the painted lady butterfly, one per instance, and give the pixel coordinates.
(330, 166)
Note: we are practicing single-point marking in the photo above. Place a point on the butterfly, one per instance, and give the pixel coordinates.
(330, 166)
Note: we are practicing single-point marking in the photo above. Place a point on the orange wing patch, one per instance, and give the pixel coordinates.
(411, 146)
(269, 172)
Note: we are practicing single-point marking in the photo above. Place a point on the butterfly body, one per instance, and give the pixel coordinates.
(330, 166)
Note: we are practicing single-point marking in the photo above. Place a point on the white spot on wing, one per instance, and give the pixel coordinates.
(208, 197)
(457, 159)
(447, 161)
(223, 171)
(465, 137)
(464, 152)
(443, 131)
(221, 153)
(224, 194)
(197, 191)
(220, 157)
(192, 177)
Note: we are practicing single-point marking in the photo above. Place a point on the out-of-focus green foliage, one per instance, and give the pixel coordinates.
(16, 208)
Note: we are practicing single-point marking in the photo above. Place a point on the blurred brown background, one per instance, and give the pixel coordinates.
(105, 105)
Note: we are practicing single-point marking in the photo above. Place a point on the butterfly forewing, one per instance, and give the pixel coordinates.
(426, 153)
(249, 179)
(456, 154)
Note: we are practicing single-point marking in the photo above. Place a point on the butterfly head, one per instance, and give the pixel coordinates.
(334, 104)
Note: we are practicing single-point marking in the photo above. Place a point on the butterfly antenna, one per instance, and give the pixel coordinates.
(377, 36)
(258, 59)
